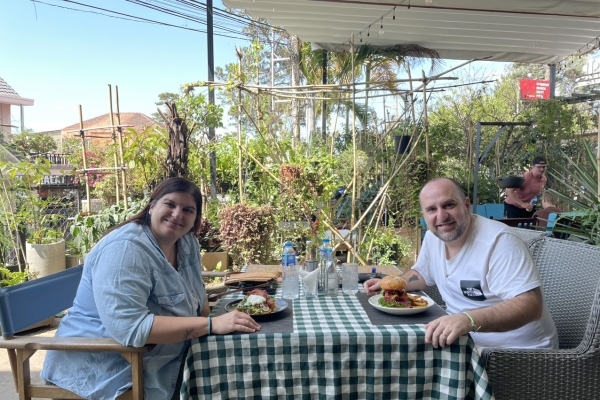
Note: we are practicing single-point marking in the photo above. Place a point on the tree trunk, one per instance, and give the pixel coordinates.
(177, 144)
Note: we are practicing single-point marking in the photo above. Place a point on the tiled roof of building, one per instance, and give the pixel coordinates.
(6, 90)
(138, 120)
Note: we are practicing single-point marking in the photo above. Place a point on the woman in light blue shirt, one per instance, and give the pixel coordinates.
(141, 284)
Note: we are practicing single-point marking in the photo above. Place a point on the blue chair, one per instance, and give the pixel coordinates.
(423, 227)
(550, 224)
(481, 210)
(495, 211)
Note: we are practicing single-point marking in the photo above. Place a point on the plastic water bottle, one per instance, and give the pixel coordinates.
(329, 278)
(291, 280)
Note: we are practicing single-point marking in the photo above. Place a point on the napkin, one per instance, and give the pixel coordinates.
(310, 280)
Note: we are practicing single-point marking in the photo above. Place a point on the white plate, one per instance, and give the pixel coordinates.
(374, 301)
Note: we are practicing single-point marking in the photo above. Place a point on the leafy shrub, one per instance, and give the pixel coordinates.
(247, 233)
(208, 236)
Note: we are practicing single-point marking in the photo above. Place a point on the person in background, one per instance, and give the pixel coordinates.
(549, 201)
(142, 284)
(484, 273)
(518, 201)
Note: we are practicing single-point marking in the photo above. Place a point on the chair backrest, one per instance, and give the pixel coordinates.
(494, 211)
(551, 220)
(481, 210)
(570, 274)
(26, 304)
(529, 236)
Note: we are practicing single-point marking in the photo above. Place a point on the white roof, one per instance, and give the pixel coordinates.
(531, 31)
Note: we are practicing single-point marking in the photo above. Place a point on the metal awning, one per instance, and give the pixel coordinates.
(531, 31)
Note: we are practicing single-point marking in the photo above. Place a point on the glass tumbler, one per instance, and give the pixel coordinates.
(350, 278)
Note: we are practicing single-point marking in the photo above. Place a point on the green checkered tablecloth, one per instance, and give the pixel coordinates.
(334, 352)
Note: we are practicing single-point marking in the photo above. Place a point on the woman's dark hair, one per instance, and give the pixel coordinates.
(170, 185)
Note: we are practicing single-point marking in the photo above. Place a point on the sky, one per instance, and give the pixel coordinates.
(62, 59)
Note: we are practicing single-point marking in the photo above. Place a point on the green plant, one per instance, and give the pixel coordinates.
(22, 206)
(87, 230)
(208, 236)
(384, 247)
(247, 233)
(9, 278)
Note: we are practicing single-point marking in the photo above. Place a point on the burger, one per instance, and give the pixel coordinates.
(393, 293)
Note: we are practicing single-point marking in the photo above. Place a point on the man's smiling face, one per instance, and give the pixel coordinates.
(445, 210)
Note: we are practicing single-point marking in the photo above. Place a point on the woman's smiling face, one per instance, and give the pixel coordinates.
(172, 216)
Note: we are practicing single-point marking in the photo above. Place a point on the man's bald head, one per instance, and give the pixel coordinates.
(460, 192)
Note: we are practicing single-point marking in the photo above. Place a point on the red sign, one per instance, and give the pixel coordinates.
(533, 89)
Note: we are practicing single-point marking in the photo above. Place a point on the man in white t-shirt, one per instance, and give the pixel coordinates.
(484, 273)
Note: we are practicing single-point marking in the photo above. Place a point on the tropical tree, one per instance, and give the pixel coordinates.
(27, 142)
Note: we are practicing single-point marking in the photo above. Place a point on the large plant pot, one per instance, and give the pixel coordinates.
(210, 260)
(45, 259)
(73, 261)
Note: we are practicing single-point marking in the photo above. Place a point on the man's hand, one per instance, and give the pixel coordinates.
(372, 286)
(445, 330)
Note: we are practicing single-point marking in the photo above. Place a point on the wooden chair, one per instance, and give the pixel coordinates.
(23, 305)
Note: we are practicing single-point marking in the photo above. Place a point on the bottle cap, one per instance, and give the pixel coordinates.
(374, 270)
(288, 244)
(326, 240)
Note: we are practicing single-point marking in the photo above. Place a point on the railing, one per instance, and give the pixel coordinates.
(54, 158)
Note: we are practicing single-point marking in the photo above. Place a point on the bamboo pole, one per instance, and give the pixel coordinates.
(598, 155)
(426, 121)
(353, 140)
(114, 140)
(86, 176)
(121, 159)
(240, 160)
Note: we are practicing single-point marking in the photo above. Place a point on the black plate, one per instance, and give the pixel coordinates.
(279, 303)
(365, 277)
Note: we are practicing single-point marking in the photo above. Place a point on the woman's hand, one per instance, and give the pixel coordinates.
(372, 286)
(234, 321)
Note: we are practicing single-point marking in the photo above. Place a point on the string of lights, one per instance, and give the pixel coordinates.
(592, 45)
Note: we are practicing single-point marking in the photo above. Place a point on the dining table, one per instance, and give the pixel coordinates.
(333, 347)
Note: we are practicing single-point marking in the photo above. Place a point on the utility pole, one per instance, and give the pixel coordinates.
(211, 94)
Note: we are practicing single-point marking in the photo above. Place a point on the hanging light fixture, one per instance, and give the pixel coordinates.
(409, 4)
(369, 31)
(394, 13)
(361, 37)
(381, 32)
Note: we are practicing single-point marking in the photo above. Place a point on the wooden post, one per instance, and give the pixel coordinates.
(114, 140)
(86, 178)
(120, 134)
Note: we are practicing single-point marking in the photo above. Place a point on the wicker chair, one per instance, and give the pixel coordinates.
(529, 236)
(570, 275)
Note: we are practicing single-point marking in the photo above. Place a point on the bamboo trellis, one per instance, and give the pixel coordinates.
(343, 90)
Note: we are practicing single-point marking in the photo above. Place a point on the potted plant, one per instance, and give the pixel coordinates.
(213, 256)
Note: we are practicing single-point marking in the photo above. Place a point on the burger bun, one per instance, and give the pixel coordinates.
(393, 283)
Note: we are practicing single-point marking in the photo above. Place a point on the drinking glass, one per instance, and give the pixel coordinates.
(350, 278)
